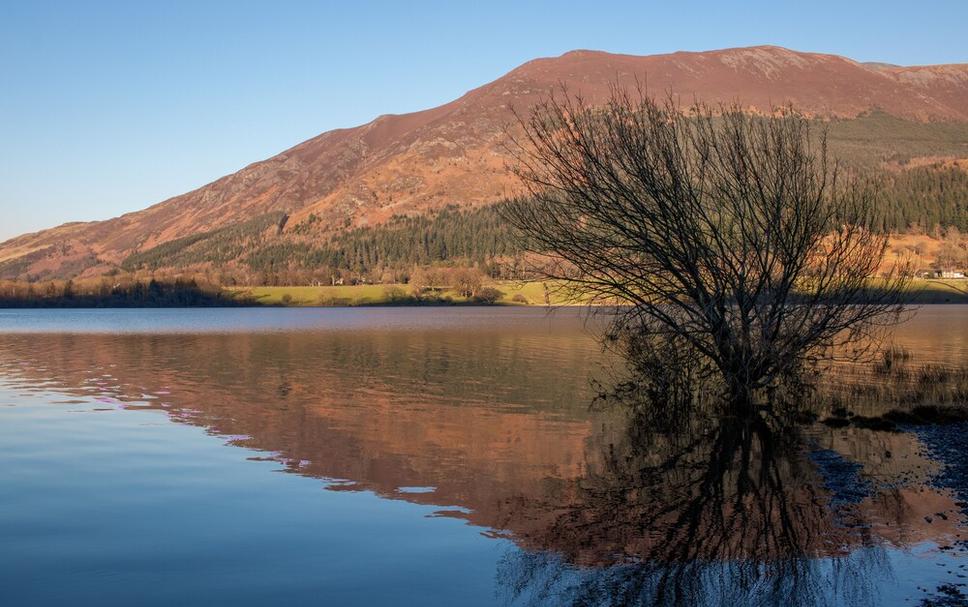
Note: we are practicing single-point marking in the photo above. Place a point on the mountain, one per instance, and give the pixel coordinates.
(454, 154)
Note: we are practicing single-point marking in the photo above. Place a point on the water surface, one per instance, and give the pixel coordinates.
(433, 456)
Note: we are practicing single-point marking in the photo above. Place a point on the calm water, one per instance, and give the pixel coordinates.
(434, 456)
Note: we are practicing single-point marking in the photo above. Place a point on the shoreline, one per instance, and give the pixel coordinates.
(508, 293)
(512, 293)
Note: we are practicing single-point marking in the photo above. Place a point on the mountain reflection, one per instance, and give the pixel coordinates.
(496, 425)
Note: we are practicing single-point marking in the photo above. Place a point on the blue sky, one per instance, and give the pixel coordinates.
(108, 107)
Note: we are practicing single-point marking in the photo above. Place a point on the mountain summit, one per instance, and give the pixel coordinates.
(453, 154)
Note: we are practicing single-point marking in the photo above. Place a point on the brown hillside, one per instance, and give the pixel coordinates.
(454, 153)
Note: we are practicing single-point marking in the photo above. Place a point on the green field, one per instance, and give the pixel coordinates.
(511, 293)
(922, 291)
(316, 296)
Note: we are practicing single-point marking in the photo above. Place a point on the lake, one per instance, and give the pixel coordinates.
(436, 456)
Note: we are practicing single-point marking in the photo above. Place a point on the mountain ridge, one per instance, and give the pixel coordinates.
(416, 162)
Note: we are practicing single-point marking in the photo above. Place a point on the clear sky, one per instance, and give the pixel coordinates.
(108, 107)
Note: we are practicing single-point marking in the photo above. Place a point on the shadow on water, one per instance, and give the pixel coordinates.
(617, 505)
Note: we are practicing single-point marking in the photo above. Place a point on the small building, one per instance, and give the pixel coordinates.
(950, 274)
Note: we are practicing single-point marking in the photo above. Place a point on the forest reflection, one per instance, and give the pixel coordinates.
(603, 505)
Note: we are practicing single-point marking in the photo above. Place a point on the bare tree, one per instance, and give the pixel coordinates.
(466, 281)
(723, 232)
(953, 253)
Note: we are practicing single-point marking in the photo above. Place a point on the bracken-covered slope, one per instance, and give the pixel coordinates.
(454, 154)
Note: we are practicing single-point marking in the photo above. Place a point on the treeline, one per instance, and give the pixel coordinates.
(920, 199)
(926, 199)
(137, 294)
(915, 199)
(477, 237)
(216, 246)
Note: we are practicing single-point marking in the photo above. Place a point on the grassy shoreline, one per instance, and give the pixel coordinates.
(496, 293)
(512, 293)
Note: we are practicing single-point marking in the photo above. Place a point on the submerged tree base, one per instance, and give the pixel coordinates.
(666, 386)
(893, 420)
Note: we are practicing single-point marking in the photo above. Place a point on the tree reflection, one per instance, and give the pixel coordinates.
(661, 497)
(728, 510)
